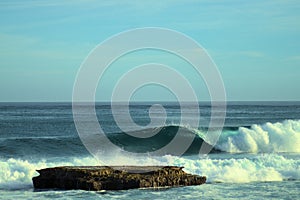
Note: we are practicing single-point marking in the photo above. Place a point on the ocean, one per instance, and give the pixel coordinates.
(257, 155)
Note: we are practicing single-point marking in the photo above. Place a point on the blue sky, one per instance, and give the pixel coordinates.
(255, 44)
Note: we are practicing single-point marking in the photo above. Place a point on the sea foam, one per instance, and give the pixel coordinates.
(269, 137)
(261, 168)
(17, 174)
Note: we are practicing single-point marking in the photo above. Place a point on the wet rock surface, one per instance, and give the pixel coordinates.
(114, 177)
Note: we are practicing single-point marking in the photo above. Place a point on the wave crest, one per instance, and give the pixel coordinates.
(266, 138)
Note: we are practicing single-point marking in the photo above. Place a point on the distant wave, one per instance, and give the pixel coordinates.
(41, 146)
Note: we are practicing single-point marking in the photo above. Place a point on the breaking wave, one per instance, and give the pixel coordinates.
(266, 138)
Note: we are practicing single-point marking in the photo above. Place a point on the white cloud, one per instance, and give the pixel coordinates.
(293, 58)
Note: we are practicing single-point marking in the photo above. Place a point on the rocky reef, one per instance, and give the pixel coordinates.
(114, 177)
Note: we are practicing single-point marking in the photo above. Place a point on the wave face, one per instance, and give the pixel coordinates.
(33, 130)
(163, 136)
(266, 138)
(17, 173)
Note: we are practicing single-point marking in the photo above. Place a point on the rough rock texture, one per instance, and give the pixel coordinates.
(114, 178)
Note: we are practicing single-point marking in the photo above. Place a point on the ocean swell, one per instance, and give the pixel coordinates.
(164, 135)
(266, 138)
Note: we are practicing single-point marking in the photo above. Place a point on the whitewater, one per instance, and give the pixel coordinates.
(17, 173)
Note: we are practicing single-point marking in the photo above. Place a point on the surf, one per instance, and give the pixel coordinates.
(266, 138)
(17, 173)
(279, 137)
(269, 137)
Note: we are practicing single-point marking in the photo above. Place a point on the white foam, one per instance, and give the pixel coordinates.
(266, 138)
(268, 167)
(262, 168)
(17, 174)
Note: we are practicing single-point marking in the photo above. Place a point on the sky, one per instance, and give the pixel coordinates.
(254, 44)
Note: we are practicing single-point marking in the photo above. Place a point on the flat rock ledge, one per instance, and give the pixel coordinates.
(114, 177)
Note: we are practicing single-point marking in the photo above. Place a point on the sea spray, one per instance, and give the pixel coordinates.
(17, 174)
(270, 167)
(269, 137)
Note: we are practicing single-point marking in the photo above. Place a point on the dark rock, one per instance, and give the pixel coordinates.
(114, 178)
